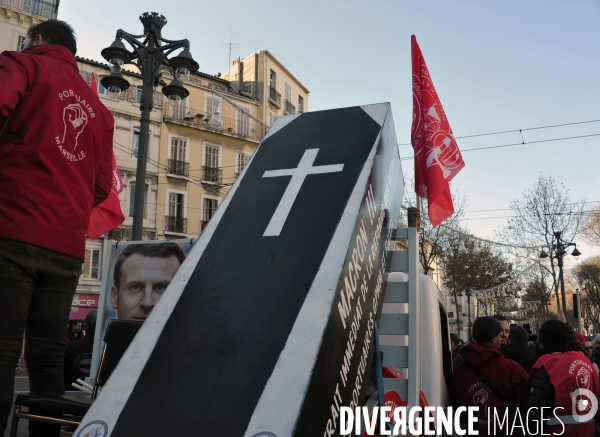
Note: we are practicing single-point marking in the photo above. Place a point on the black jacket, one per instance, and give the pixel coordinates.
(521, 353)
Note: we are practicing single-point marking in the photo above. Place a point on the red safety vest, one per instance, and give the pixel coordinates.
(570, 373)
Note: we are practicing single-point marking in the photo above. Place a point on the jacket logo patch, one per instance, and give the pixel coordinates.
(481, 398)
(75, 120)
(76, 114)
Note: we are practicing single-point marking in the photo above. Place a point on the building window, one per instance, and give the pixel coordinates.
(242, 122)
(212, 103)
(91, 264)
(176, 204)
(132, 200)
(211, 171)
(211, 158)
(175, 221)
(300, 104)
(135, 145)
(178, 108)
(138, 96)
(177, 162)
(209, 208)
(288, 92)
(241, 160)
(273, 80)
(101, 89)
(20, 41)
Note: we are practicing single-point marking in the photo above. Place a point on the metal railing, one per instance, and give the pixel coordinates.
(242, 126)
(289, 108)
(175, 224)
(35, 7)
(179, 168)
(275, 96)
(212, 174)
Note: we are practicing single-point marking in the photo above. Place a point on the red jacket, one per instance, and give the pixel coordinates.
(507, 377)
(55, 149)
(572, 375)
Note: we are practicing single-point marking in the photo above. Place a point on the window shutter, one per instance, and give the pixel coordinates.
(158, 99)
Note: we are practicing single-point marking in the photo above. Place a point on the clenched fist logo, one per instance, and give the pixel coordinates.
(75, 119)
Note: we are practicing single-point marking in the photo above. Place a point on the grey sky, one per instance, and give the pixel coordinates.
(497, 66)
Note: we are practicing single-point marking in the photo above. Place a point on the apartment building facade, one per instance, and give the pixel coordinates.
(16, 16)
(262, 77)
(207, 140)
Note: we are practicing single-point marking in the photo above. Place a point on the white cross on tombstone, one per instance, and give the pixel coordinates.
(298, 174)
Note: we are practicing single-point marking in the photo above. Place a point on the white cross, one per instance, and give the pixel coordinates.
(298, 174)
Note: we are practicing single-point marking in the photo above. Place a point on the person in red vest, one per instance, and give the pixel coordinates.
(565, 384)
(55, 165)
(488, 380)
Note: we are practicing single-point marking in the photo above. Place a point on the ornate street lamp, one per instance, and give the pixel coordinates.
(558, 248)
(149, 55)
(470, 324)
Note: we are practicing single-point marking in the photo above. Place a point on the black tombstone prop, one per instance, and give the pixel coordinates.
(267, 328)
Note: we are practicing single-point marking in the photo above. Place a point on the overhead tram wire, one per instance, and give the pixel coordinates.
(519, 130)
(518, 144)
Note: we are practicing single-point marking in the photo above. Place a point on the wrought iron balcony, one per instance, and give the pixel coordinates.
(179, 168)
(289, 108)
(35, 7)
(212, 174)
(175, 223)
(274, 96)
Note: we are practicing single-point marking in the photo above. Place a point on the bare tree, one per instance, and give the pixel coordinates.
(433, 241)
(588, 276)
(542, 211)
(591, 225)
(481, 271)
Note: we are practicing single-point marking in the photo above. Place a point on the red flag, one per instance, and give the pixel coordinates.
(437, 157)
(107, 215)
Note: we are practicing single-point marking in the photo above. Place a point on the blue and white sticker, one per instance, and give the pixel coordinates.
(97, 428)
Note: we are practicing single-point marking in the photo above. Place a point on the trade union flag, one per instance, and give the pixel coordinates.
(437, 157)
(107, 215)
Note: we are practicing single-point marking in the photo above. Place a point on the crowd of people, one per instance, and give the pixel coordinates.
(550, 386)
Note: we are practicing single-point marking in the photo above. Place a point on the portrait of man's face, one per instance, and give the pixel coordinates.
(142, 283)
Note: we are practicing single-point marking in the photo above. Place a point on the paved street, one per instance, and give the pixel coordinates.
(22, 386)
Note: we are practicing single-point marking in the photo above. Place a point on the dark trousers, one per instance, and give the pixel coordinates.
(36, 291)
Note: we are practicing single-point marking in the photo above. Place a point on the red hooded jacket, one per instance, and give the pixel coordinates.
(55, 149)
(507, 377)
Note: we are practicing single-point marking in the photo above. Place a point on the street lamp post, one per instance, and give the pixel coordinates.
(150, 56)
(470, 324)
(476, 251)
(578, 298)
(559, 247)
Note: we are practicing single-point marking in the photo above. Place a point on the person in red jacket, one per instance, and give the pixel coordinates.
(565, 384)
(55, 166)
(488, 380)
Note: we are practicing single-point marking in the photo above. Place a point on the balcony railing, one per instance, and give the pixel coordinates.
(212, 174)
(35, 7)
(179, 168)
(241, 126)
(175, 224)
(275, 96)
(289, 108)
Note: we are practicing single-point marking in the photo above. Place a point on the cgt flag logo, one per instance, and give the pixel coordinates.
(437, 157)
